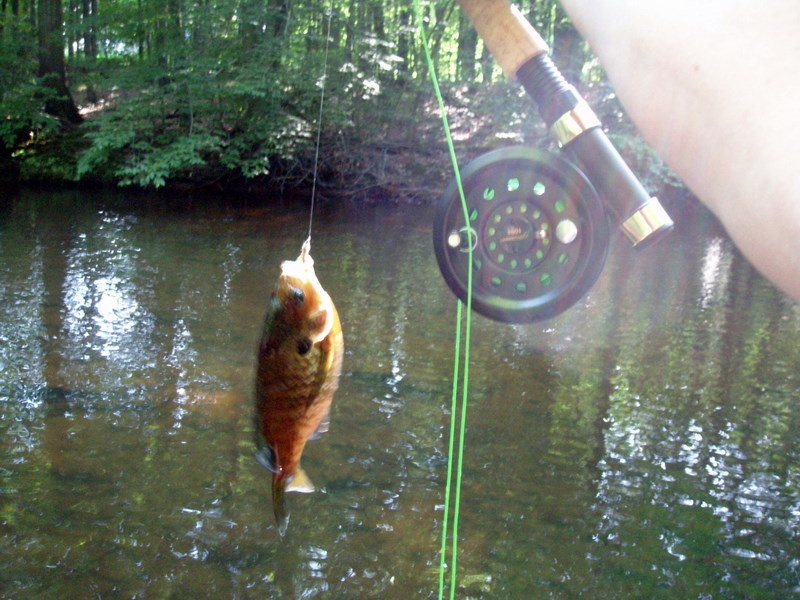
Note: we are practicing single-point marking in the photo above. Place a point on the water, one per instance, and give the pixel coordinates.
(645, 444)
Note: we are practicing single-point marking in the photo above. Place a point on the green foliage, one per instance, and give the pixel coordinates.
(220, 118)
(236, 106)
(146, 138)
(152, 166)
(28, 134)
(24, 118)
(51, 157)
(198, 91)
(22, 97)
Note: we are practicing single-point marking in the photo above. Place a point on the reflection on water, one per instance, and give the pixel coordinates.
(645, 444)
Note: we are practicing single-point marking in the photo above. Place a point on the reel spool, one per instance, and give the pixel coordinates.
(538, 231)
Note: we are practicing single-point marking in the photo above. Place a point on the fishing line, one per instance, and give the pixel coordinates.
(319, 120)
(467, 327)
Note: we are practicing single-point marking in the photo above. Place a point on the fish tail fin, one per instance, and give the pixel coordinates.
(301, 482)
(279, 503)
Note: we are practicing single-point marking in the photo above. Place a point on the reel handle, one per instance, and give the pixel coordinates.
(524, 55)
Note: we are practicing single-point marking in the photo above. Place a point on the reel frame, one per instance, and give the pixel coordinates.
(538, 229)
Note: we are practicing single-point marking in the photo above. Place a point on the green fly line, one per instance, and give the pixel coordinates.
(466, 322)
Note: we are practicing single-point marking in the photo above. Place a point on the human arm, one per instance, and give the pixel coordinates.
(711, 86)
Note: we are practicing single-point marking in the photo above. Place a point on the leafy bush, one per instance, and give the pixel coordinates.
(22, 98)
(216, 115)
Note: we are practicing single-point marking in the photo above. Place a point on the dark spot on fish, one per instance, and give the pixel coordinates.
(297, 296)
(303, 346)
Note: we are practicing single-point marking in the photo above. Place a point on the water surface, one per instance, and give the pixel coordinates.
(645, 444)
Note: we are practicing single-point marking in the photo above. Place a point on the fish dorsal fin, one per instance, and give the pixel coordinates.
(300, 482)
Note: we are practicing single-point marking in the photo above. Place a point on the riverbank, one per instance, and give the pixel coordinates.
(379, 155)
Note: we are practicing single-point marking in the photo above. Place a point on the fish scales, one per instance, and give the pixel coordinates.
(299, 363)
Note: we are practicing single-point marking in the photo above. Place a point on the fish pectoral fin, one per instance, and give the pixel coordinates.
(266, 458)
(321, 322)
(323, 426)
(300, 483)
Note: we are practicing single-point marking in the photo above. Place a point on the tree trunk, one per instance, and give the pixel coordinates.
(52, 67)
(89, 8)
(467, 48)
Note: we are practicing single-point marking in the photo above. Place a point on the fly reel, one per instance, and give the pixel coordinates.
(537, 224)
(538, 231)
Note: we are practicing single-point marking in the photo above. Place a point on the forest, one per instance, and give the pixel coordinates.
(225, 94)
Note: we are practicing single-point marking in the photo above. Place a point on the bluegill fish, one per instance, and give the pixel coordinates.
(299, 362)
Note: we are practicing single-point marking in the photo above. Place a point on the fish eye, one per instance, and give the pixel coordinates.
(297, 295)
(303, 346)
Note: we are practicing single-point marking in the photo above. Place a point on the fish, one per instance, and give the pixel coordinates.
(298, 369)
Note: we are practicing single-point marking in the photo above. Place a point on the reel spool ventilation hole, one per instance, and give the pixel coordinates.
(538, 231)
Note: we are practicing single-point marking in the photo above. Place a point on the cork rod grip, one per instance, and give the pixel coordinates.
(511, 39)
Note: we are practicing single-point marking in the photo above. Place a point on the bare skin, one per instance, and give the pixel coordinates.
(712, 86)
